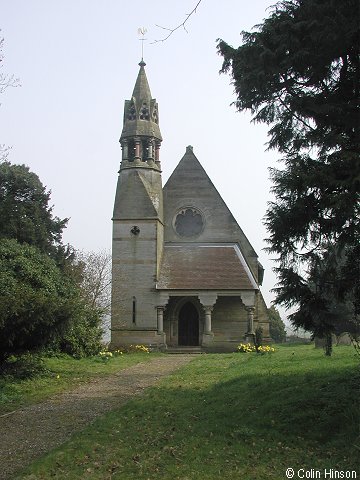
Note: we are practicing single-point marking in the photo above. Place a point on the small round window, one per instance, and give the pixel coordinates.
(188, 222)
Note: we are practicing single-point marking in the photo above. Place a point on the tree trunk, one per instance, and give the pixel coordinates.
(328, 344)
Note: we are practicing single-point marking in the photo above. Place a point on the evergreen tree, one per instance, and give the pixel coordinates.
(299, 73)
(43, 302)
(277, 326)
(37, 301)
(41, 306)
(25, 213)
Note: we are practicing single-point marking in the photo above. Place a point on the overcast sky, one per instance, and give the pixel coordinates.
(78, 62)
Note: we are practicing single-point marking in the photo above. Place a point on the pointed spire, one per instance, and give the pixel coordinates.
(141, 90)
(141, 138)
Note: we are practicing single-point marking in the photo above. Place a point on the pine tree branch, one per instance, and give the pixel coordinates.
(286, 107)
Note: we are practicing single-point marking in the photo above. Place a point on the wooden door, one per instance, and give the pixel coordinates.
(188, 325)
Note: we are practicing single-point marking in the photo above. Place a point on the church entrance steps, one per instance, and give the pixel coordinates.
(185, 349)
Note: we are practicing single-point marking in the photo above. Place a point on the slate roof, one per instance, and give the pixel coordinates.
(204, 267)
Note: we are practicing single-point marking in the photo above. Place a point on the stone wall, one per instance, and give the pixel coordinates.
(189, 185)
(229, 323)
(135, 265)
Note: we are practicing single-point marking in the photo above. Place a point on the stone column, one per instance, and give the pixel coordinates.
(150, 151)
(137, 148)
(160, 334)
(207, 300)
(160, 319)
(248, 298)
(157, 153)
(251, 311)
(208, 309)
(250, 334)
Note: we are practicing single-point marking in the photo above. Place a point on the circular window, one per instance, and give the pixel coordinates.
(189, 222)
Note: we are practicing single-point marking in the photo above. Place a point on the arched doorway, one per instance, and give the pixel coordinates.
(188, 333)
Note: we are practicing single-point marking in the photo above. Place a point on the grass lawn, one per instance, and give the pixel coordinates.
(64, 373)
(225, 416)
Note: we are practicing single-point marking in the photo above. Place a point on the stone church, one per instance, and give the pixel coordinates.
(184, 274)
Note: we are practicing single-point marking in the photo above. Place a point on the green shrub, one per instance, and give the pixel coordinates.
(23, 366)
(37, 301)
(83, 338)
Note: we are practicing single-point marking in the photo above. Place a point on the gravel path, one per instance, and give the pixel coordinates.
(37, 429)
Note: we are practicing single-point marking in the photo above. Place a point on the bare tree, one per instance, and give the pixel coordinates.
(6, 81)
(172, 30)
(96, 278)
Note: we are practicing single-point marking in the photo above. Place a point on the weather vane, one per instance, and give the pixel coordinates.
(142, 31)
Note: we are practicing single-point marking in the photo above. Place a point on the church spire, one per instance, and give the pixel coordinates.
(141, 138)
(142, 89)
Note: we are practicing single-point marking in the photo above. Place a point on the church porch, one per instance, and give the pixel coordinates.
(206, 321)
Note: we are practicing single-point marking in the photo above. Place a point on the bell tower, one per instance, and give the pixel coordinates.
(141, 138)
(138, 228)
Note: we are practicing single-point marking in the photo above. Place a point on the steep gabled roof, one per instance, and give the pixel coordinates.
(204, 267)
(190, 185)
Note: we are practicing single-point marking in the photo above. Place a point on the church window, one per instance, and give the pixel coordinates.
(144, 112)
(135, 230)
(155, 114)
(131, 150)
(131, 112)
(134, 310)
(189, 222)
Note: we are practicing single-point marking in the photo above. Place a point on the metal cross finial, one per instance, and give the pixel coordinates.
(142, 31)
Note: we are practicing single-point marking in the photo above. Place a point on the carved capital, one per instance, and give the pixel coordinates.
(207, 299)
(250, 310)
(248, 298)
(164, 299)
(208, 308)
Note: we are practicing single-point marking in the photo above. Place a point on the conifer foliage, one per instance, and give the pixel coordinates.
(37, 301)
(299, 72)
(42, 300)
(25, 213)
(277, 326)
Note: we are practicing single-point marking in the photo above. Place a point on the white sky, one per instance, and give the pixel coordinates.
(78, 62)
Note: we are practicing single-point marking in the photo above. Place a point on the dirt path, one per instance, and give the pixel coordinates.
(37, 429)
